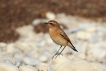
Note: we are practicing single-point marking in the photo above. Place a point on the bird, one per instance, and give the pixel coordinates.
(59, 36)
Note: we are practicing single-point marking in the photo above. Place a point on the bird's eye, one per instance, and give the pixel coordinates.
(50, 23)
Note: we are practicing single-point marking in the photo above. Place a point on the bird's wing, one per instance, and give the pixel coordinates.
(63, 34)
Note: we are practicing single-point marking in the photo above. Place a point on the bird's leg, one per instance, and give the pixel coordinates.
(57, 52)
(60, 52)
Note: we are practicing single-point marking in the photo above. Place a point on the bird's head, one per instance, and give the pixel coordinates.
(52, 23)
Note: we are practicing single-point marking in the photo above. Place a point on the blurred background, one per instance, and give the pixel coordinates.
(24, 37)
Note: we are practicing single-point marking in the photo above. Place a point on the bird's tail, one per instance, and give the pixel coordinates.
(72, 46)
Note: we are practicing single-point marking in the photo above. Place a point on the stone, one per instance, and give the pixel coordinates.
(43, 67)
(83, 35)
(63, 64)
(18, 62)
(101, 29)
(99, 66)
(72, 36)
(31, 61)
(98, 52)
(27, 68)
(24, 30)
(10, 48)
(36, 21)
(23, 46)
(2, 44)
(56, 62)
(64, 20)
(100, 33)
(91, 29)
(94, 38)
(43, 58)
(8, 60)
(50, 15)
(8, 67)
(85, 25)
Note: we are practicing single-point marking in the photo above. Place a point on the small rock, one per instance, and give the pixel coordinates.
(43, 67)
(31, 61)
(50, 15)
(99, 51)
(101, 29)
(23, 46)
(8, 67)
(2, 44)
(10, 48)
(43, 58)
(91, 29)
(64, 20)
(17, 62)
(83, 35)
(72, 36)
(8, 60)
(99, 66)
(86, 25)
(27, 68)
(59, 60)
(100, 34)
(36, 21)
(25, 30)
(94, 38)
(63, 64)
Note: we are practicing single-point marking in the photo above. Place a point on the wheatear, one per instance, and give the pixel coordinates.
(59, 36)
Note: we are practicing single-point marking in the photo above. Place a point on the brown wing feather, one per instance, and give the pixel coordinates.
(63, 34)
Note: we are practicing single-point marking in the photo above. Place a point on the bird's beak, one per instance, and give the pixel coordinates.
(46, 23)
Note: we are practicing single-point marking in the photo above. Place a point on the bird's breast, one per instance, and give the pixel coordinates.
(56, 37)
(53, 33)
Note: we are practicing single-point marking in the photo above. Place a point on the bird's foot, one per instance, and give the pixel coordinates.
(56, 55)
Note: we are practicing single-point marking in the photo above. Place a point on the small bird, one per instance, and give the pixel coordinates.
(59, 36)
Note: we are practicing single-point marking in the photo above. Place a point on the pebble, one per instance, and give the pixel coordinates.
(94, 38)
(24, 30)
(43, 67)
(101, 29)
(23, 46)
(8, 67)
(2, 44)
(83, 35)
(18, 62)
(91, 29)
(43, 58)
(99, 66)
(8, 60)
(31, 61)
(100, 51)
(10, 48)
(63, 64)
(27, 68)
(85, 25)
(50, 15)
(36, 21)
